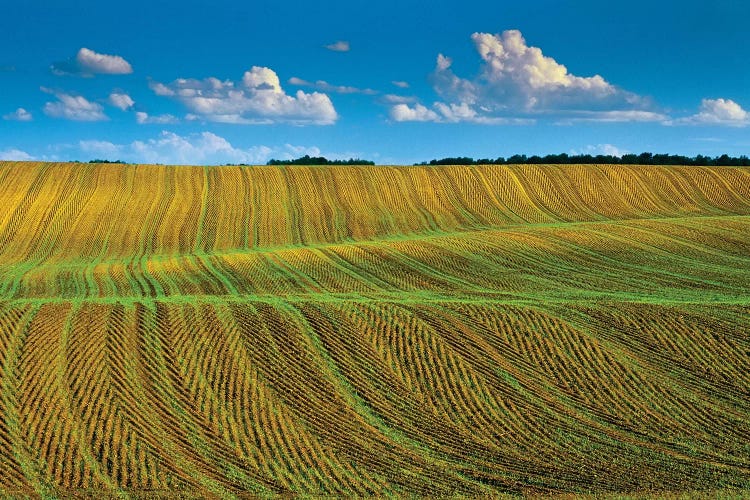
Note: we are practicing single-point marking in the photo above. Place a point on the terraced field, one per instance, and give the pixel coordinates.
(374, 330)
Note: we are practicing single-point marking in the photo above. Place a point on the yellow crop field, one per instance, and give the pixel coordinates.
(345, 330)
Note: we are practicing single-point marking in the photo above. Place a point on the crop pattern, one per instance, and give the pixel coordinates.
(472, 330)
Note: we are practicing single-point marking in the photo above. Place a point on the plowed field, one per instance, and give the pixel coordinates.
(219, 331)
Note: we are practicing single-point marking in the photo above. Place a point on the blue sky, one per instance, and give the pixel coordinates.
(396, 82)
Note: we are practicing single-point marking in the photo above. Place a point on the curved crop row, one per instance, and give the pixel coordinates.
(368, 331)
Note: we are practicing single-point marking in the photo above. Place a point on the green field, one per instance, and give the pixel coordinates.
(472, 330)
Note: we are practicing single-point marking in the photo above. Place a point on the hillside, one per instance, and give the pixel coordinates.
(342, 330)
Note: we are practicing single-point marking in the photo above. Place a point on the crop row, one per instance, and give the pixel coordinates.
(366, 398)
(690, 258)
(67, 212)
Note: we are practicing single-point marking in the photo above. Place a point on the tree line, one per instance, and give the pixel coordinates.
(627, 159)
(553, 159)
(319, 160)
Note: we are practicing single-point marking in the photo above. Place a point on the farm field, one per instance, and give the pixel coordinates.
(468, 330)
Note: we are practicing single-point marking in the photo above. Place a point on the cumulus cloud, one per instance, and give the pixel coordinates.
(400, 84)
(327, 87)
(13, 154)
(89, 63)
(142, 118)
(457, 112)
(441, 112)
(257, 99)
(103, 63)
(417, 113)
(718, 112)
(508, 57)
(121, 100)
(19, 115)
(204, 148)
(516, 80)
(340, 46)
(600, 149)
(289, 152)
(160, 89)
(72, 107)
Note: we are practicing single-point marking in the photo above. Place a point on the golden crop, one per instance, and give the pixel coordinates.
(373, 330)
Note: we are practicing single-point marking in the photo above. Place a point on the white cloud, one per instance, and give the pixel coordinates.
(259, 78)
(614, 116)
(196, 149)
(160, 89)
(208, 148)
(258, 98)
(600, 149)
(204, 148)
(102, 63)
(121, 100)
(327, 87)
(88, 63)
(449, 113)
(718, 112)
(19, 115)
(508, 57)
(456, 112)
(144, 118)
(340, 46)
(400, 84)
(517, 76)
(299, 82)
(13, 154)
(443, 62)
(516, 80)
(418, 113)
(289, 152)
(73, 107)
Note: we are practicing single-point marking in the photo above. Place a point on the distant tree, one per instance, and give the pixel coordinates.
(584, 159)
(107, 161)
(645, 158)
(517, 159)
(319, 160)
(629, 159)
(724, 160)
(701, 160)
(460, 160)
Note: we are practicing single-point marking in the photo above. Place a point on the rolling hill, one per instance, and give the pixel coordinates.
(344, 330)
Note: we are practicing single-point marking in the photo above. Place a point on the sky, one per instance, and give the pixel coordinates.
(395, 82)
